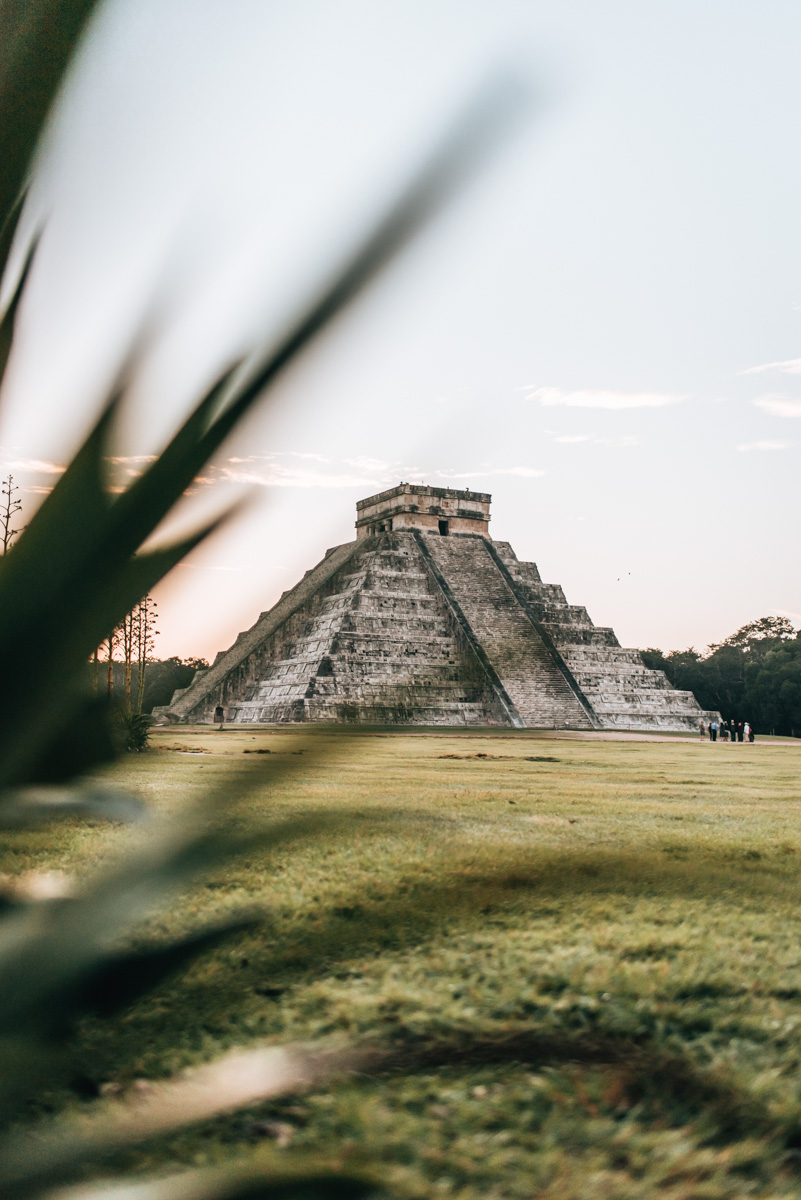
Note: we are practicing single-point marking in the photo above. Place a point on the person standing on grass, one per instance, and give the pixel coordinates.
(740, 731)
(713, 731)
(747, 732)
(701, 730)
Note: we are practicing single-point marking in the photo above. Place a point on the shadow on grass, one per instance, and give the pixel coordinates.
(318, 944)
(658, 1083)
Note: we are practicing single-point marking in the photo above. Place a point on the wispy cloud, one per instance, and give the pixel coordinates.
(32, 466)
(574, 438)
(300, 470)
(790, 366)
(779, 405)
(124, 460)
(488, 472)
(765, 446)
(552, 397)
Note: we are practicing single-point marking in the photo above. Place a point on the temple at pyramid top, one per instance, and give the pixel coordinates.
(424, 619)
(430, 509)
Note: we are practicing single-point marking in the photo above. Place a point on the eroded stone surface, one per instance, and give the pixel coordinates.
(427, 621)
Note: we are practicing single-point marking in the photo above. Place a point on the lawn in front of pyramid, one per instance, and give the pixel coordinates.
(586, 954)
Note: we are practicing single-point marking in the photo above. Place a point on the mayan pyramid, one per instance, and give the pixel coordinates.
(425, 620)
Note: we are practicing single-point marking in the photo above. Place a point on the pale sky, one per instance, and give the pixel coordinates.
(603, 330)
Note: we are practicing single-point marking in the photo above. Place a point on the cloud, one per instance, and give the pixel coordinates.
(289, 470)
(779, 405)
(790, 366)
(552, 397)
(281, 475)
(292, 468)
(765, 446)
(124, 459)
(36, 466)
(488, 472)
(571, 438)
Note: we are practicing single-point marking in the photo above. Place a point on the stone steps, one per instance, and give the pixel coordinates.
(382, 642)
(415, 628)
(534, 683)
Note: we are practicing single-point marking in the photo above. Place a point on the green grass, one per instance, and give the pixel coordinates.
(589, 968)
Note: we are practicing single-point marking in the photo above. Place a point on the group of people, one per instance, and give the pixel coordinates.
(727, 731)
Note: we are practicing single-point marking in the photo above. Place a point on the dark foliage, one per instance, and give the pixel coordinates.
(753, 675)
(135, 730)
(164, 676)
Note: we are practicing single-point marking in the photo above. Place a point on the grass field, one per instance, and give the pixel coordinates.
(586, 954)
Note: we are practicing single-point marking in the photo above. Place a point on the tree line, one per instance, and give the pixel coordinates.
(162, 677)
(125, 658)
(753, 675)
(130, 669)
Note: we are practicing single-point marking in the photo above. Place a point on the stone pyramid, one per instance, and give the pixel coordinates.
(425, 620)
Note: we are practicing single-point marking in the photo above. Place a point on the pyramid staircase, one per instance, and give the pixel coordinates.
(406, 626)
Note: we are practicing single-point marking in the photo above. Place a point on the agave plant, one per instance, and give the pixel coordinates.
(78, 568)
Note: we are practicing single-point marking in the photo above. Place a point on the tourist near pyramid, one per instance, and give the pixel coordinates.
(425, 620)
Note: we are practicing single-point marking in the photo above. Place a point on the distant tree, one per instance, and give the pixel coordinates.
(654, 659)
(728, 675)
(757, 631)
(111, 646)
(10, 506)
(129, 629)
(168, 675)
(146, 634)
(685, 671)
(758, 637)
(773, 687)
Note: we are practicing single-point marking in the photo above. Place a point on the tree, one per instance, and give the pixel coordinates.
(10, 505)
(111, 644)
(756, 633)
(146, 634)
(685, 671)
(166, 676)
(128, 630)
(773, 687)
(752, 674)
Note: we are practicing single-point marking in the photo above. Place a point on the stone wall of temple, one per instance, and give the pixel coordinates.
(411, 627)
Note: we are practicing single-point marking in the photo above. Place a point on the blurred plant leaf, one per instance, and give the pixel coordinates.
(32, 806)
(458, 152)
(37, 42)
(72, 575)
(9, 316)
(121, 980)
(234, 1184)
(31, 1162)
(52, 956)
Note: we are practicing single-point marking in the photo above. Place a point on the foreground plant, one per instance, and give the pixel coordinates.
(75, 572)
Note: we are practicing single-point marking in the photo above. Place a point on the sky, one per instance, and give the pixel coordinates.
(602, 328)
